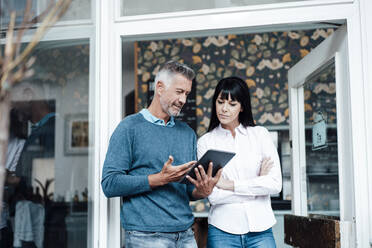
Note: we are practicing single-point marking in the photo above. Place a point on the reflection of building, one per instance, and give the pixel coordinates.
(88, 66)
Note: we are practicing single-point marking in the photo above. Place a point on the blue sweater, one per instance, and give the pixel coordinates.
(137, 149)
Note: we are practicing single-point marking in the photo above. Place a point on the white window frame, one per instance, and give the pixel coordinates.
(120, 18)
(332, 50)
(365, 7)
(112, 28)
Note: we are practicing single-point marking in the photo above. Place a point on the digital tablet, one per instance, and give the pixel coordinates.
(217, 157)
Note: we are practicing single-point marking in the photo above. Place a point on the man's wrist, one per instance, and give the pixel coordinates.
(197, 195)
(156, 180)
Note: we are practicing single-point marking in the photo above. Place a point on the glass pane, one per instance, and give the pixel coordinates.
(49, 163)
(78, 10)
(321, 143)
(143, 7)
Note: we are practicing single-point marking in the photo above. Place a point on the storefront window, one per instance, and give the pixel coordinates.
(144, 7)
(78, 10)
(48, 184)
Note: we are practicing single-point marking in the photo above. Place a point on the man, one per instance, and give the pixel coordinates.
(41, 142)
(155, 211)
(32, 105)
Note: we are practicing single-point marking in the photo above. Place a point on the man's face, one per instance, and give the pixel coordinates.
(174, 97)
(22, 97)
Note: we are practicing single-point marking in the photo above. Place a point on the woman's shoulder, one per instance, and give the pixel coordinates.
(260, 130)
(207, 136)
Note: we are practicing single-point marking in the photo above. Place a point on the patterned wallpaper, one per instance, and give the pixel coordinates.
(320, 96)
(262, 60)
(52, 64)
(60, 66)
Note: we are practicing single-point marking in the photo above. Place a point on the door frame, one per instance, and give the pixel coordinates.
(334, 49)
(113, 29)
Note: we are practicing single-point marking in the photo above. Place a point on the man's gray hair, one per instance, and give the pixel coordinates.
(172, 68)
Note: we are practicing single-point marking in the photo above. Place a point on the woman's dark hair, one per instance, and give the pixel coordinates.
(16, 127)
(238, 91)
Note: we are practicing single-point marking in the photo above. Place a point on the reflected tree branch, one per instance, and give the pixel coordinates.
(16, 63)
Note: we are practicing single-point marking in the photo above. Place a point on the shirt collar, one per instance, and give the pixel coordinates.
(241, 129)
(155, 120)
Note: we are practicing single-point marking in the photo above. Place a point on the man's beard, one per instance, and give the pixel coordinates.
(168, 109)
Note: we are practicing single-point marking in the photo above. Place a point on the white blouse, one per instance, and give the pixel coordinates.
(248, 208)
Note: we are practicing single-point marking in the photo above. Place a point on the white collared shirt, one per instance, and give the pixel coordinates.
(248, 208)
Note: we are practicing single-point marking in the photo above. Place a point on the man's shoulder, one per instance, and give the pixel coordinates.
(183, 126)
(132, 119)
(130, 122)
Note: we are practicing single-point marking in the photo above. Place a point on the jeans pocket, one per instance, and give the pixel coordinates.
(190, 231)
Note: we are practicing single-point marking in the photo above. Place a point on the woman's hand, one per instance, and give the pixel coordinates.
(225, 184)
(266, 165)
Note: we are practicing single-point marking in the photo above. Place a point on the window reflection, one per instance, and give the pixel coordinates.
(144, 7)
(46, 194)
(78, 10)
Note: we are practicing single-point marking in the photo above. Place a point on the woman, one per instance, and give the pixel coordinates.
(241, 213)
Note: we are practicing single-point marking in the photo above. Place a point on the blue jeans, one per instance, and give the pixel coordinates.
(220, 239)
(137, 239)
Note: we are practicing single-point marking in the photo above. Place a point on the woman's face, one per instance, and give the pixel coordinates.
(228, 111)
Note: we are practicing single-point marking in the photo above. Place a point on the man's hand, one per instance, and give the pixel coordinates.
(204, 183)
(266, 166)
(169, 173)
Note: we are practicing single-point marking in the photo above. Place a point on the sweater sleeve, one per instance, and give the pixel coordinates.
(116, 180)
(263, 185)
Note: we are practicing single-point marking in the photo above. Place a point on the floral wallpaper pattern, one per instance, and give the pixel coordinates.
(262, 60)
(60, 66)
(320, 96)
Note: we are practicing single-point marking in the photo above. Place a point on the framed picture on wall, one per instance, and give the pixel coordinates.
(76, 134)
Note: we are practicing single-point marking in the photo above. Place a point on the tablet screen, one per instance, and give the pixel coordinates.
(217, 157)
